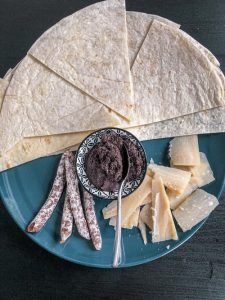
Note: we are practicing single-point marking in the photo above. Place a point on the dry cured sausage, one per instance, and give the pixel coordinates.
(47, 209)
(74, 196)
(92, 220)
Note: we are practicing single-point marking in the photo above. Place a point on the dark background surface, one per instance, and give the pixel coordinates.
(194, 271)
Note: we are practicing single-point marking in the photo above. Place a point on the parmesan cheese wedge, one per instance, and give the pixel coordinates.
(174, 179)
(163, 224)
(184, 151)
(203, 173)
(147, 200)
(176, 199)
(130, 222)
(131, 202)
(146, 215)
(110, 210)
(194, 209)
(184, 168)
(142, 228)
(112, 206)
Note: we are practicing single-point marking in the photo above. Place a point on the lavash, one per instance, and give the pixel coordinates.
(209, 121)
(89, 49)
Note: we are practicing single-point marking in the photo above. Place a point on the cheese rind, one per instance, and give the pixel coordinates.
(195, 209)
(163, 224)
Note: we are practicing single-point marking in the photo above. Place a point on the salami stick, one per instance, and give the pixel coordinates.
(67, 221)
(92, 220)
(74, 196)
(47, 209)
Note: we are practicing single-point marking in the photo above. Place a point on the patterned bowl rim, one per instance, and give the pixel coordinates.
(127, 133)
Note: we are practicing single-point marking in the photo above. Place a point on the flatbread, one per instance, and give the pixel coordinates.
(38, 102)
(202, 122)
(32, 148)
(89, 49)
(9, 74)
(172, 78)
(3, 86)
(138, 25)
(206, 51)
(209, 121)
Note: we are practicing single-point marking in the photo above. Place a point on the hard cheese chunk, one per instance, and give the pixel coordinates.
(142, 228)
(173, 179)
(176, 199)
(203, 173)
(147, 200)
(194, 209)
(184, 151)
(163, 224)
(131, 202)
(110, 210)
(130, 222)
(146, 215)
(184, 168)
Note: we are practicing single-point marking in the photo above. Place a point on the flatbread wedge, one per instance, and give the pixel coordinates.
(171, 71)
(38, 103)
(89, 49)
(138, 25)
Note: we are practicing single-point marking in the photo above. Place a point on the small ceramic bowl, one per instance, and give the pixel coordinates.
(88, 143)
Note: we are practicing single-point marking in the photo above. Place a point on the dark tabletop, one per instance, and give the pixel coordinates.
(194, 271)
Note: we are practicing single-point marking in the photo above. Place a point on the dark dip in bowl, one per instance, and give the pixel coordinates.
(104, 162)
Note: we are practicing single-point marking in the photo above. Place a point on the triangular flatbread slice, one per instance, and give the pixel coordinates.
(32, 148)
(209, 121)
(138, 25)
(89, 49)
(38, 102)
(171, 77)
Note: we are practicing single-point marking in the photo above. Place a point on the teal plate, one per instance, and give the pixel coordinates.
(24, 189)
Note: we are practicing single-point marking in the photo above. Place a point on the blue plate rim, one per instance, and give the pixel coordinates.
(99, 265)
